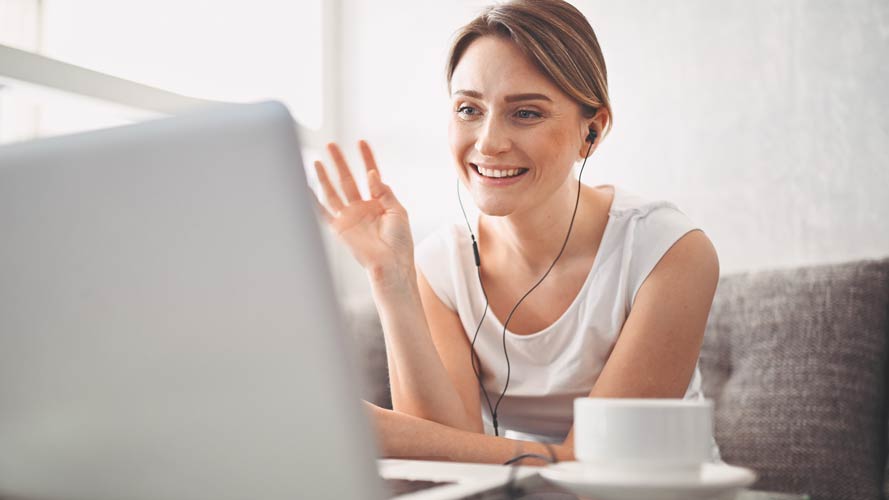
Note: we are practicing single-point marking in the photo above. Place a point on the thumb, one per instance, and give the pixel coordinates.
(380, 191)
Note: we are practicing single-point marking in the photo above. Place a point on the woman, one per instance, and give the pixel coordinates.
(628, 283)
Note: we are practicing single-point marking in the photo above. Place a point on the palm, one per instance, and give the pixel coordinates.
(373, 233)
(376, 230)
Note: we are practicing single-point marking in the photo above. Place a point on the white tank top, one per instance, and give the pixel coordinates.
(551, 367)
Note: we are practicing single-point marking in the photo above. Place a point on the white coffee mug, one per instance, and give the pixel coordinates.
(643, 433)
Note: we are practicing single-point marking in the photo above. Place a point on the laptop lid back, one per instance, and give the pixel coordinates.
(168, 327)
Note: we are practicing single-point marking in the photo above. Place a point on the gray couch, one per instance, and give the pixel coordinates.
(795, 361)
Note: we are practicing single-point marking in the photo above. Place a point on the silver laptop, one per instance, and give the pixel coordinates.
(168, 328)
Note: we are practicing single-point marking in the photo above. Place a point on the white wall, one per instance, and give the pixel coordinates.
(767, 122)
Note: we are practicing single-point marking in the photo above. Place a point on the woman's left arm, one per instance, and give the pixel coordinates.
(405, 436)
(658, 347)
(654, 357)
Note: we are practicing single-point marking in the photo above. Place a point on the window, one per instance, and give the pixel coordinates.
(221, 50)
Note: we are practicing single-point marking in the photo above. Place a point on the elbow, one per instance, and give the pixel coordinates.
(565, 451)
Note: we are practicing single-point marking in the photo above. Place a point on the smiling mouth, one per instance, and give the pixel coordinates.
(498, 174)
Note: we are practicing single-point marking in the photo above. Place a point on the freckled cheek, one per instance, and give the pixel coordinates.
(546, 148)
(561, 147)
(557, 140)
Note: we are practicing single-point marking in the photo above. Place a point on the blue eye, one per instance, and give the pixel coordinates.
(527, 114)
(467, 111)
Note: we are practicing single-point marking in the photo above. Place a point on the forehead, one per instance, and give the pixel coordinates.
(496, 67)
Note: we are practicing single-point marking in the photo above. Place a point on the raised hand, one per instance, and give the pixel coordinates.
(376, 230)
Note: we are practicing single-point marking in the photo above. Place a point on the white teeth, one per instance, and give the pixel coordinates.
(498, 173)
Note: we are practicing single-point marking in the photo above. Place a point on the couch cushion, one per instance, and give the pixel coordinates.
(366, 333)
(795, 363)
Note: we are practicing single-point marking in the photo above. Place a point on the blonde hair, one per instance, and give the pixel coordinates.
(556, 37)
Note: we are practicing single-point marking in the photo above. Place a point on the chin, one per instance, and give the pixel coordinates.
(496, 213)
(494, 209)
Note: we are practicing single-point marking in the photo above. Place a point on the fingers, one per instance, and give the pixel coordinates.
(347, 182)
(378, 190)
(367, 155)
(382, 192)
(330, 194)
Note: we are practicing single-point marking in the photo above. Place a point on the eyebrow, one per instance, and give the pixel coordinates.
(509, 98)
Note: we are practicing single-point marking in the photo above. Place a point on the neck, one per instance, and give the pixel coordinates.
(531, 240)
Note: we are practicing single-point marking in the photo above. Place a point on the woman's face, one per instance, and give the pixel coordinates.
(514, 135)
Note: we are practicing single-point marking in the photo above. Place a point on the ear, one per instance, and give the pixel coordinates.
(597, 124)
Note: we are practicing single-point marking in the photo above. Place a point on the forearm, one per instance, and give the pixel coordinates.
(420, 383)
(406, 436)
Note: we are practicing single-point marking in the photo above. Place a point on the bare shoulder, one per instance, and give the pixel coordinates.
(692, 259)
(659, 344)
(674, 301)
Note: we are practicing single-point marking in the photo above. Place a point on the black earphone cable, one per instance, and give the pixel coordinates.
(476, 363)
(473, 356)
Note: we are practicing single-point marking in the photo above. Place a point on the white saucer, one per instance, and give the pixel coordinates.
(709, 481)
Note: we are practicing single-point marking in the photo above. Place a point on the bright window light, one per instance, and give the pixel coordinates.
(221, 50)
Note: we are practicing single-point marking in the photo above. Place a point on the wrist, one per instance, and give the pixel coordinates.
(392, 278)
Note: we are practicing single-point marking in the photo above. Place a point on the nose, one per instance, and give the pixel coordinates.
(492, 139)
